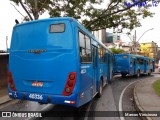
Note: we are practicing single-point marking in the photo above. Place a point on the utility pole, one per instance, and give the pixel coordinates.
(135, 42)
(7, 43)
(134, 39)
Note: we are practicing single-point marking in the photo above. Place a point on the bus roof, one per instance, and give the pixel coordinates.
(66, 18)
(43, 20)
(134, 55)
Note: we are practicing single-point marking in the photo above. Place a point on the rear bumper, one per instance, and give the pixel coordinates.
(71, 100)
(122, 71)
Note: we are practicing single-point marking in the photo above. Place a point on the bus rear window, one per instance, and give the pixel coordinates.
(56, 28)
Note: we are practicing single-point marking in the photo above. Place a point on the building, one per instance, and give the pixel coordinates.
(100, 35)
(158, 54)
(134, 47)
(149, 49)
(110, 45)
(111, 38)
(126, 48)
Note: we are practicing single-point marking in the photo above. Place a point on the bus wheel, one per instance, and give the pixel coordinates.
(100, 89)
(138, 73)
(149, 73)
(123, 74)
(109, 82)
(40, 103)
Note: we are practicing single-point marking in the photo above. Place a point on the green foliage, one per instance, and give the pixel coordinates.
(35, 8)
(156, 87)
(117, 51)
(115, 14)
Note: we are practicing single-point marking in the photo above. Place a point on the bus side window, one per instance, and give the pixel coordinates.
(82, 54)
(82, 47)
(131, 61)
(104, 55)
(147, 62)
(137, 60)
(85, 48)
(142, 61)
(101, 52)
(88, 49)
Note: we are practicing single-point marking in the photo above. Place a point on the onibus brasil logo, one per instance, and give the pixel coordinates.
(137, 3)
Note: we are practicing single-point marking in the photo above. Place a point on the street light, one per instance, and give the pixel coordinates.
(144, 33)
(136, 41)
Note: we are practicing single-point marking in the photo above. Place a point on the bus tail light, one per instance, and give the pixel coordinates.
(11, 81)
(71, 81)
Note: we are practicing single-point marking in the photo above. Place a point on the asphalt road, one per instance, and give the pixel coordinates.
(110, 101)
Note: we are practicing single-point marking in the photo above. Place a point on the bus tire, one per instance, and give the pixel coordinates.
(138, 73)
(109, 82)
(150, 71)
(40, 103)
(123, 75)
(100, 89)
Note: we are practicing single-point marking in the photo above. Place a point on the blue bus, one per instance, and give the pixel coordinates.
(133, 64)
(58, 61)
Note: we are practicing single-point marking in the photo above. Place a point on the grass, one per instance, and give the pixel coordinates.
(156, 87)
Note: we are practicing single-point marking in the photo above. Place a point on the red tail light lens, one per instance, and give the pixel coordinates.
(71, 81)
(71, 76)
(9, 74)
(11, 81)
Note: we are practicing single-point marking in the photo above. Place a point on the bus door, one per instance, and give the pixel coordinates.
(109, 67)
(153, 64)
(145, 66)
(134, 65)
(94, 54)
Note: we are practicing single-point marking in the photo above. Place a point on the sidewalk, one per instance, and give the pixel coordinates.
(4, 95)
(145, 97)
(156, 71)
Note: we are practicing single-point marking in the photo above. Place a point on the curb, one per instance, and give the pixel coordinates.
(4, 99)
(137, 104)
(156, 72)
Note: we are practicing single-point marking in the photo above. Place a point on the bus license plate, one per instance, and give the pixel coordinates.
(36, 96)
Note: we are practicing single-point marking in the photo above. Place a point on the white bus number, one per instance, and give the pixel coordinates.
(36, 96)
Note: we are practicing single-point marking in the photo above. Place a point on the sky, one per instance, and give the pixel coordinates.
(9, 14)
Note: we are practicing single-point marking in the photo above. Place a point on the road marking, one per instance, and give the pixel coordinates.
(120, 100)
(88, 109)
(8, 103)
(43, 109)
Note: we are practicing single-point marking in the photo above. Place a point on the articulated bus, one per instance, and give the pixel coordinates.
(133, 64)
(57, 61)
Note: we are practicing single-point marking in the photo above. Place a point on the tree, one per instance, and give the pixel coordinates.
(116, 14)
(117, 51)
(33, 8)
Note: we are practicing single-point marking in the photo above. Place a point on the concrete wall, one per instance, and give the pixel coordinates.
(3, 69)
